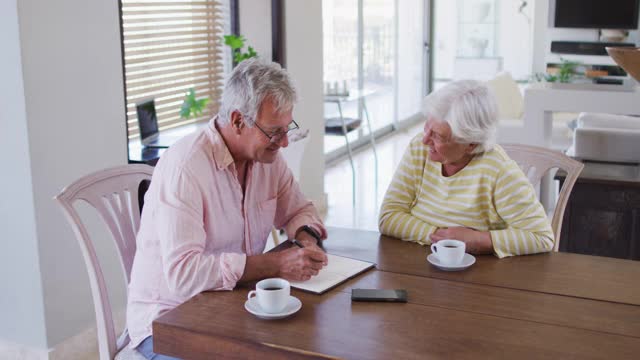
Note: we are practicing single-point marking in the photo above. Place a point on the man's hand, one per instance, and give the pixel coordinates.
(300, 264)
(308, 241)
(477, 242)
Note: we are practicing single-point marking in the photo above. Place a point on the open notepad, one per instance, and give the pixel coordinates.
(338, 270)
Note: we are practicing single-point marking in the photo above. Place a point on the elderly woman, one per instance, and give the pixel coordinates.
(454, 182)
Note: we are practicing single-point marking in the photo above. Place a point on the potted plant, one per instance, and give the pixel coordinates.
(562, 74)
(193, 107)
(236, 43)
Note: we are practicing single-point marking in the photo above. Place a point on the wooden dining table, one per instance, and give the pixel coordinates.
(552, 306)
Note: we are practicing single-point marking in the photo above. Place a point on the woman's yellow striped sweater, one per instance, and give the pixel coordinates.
(491, 194)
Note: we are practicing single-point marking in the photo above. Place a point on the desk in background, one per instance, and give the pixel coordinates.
(555, 305)
(139, 154)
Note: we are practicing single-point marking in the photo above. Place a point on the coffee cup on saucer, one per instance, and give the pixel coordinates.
(449, 252)
(272, 294)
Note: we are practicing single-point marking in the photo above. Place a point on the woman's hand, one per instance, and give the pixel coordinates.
(477, 242)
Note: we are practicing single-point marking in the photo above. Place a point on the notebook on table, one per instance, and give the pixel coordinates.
(339, 270)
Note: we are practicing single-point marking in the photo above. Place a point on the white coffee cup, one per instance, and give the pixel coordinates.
(272, 294)
(449, 252)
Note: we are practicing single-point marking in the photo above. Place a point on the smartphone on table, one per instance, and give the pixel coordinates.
(383, 295)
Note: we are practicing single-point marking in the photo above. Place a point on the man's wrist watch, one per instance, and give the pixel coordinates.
(309, 230)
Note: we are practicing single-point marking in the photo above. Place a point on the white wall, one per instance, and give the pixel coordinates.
(255, 25)
(75, 124)
(21, 305)
(303, 53)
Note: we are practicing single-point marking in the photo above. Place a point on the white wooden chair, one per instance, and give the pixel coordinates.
(113, 193)
(536, 162)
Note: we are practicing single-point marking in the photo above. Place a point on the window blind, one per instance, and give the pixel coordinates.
(170, 47)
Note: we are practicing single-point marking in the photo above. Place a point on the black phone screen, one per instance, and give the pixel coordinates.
(389, 295)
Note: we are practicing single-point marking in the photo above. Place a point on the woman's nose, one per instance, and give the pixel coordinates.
(426, 138)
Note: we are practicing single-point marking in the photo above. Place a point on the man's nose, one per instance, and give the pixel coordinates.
(283, 141)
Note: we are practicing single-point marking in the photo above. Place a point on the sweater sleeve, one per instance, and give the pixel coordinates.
(395, 214)
(528, 230)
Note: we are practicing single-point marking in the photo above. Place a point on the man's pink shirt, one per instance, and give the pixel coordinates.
(198, 227)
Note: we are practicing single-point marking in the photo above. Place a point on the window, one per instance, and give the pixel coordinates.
(168, 48)
(376, 46)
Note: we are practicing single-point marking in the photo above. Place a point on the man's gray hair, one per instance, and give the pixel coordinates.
(250, 83)
(470, 109)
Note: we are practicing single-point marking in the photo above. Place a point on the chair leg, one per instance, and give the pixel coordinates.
(275, 236)
(373, 146)
(353, 168)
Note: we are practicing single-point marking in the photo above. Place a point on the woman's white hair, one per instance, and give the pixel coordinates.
(250, 83)
(470, 109)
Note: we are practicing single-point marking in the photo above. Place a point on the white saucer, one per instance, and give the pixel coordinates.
(467, 261)
(293, 305)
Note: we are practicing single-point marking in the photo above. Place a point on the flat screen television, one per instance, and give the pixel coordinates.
(597, 14)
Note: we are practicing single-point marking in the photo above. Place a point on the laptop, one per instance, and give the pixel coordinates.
(148, 124)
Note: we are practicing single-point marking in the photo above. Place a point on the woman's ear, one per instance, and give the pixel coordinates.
(470, 148)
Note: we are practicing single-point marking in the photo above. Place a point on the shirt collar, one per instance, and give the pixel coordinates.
(221, 153)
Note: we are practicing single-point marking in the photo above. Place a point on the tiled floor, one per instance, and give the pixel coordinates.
(370, 186)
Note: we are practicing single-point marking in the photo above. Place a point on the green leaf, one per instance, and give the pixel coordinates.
(235, 42)
(202, 103)
(185, 110)
(192, 106)
(237, 57)
(251, 52)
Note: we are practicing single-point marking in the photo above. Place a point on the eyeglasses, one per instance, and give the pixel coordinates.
(277, 135)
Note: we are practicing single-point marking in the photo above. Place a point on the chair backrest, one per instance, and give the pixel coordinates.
(113, 193)
(535, 162)
(508, 96)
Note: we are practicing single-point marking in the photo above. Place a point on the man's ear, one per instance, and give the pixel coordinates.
(236, 121)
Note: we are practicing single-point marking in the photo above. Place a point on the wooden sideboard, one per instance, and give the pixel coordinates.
(603, 214)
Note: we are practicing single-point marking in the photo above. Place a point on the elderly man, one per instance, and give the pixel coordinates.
(214, 197)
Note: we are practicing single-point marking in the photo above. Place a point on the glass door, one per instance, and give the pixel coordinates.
(378, 49)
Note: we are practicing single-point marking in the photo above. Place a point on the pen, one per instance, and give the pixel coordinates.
(295, 242)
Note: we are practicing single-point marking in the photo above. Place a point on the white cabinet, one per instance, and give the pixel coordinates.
(478, 28)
